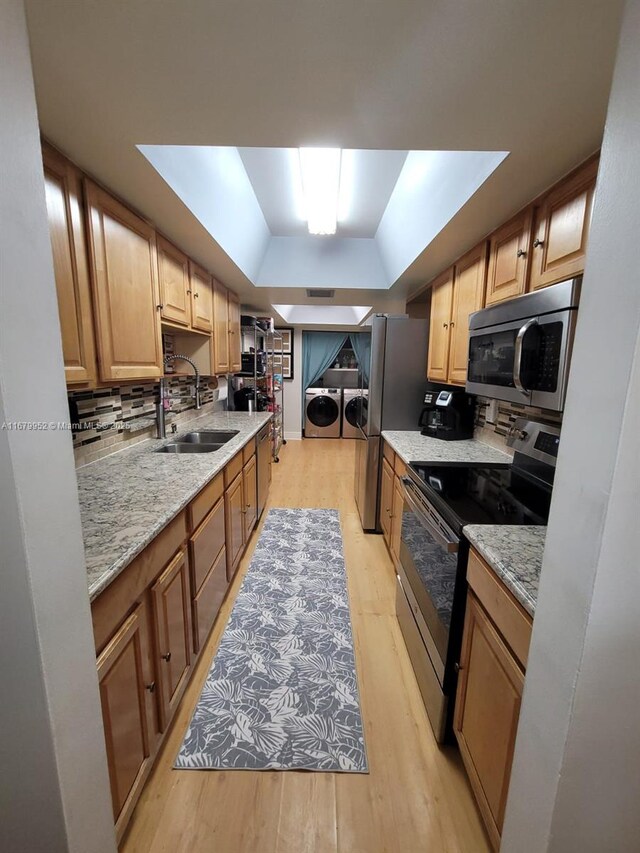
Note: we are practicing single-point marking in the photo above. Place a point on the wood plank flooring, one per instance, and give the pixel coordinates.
(416, 796)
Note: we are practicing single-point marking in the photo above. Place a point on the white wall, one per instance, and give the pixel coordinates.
(213, 183)
(352, 262)
(576, 774)
(433, 186)
(54, 793)
(293, 392)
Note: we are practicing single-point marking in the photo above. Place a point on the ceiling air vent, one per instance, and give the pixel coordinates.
(321, 294)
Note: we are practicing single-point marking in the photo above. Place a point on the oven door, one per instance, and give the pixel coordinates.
(429, 564)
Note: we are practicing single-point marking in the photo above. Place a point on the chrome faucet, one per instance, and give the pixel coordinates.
(161, 430)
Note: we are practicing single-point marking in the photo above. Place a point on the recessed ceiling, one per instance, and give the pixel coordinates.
(529, 78)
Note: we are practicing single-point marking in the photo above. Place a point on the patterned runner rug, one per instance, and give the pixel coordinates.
(282, 692)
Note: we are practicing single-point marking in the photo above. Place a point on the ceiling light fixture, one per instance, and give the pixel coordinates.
(320, 172)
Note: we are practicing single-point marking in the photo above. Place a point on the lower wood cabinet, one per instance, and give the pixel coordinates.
(386, 500)
(171, 596)
(392, 501)
(152, 621)
(396, 520)
(497, 632)
(126, 694)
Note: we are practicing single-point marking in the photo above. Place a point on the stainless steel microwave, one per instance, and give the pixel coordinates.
(520, 350)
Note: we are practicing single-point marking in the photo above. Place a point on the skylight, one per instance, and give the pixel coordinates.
(320, 172)
(323, 315)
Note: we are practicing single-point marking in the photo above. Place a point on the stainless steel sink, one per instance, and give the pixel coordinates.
(185, 447)
(208, 436)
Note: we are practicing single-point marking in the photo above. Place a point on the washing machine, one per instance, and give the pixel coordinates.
(350, 406)
(322, 409)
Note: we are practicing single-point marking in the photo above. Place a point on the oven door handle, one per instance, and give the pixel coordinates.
(451, 546)
(517, 357)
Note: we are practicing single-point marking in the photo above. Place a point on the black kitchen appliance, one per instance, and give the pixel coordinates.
(260, 362)
(242, 396)
(439, 500)
(447, 415)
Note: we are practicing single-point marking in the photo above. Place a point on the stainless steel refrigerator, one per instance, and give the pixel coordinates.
(396, 383)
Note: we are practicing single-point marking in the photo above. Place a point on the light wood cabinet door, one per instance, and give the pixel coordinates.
(249, 486)
(171, 596)
(396, 520)
(206, 603)
(126, 687)
(220, 341)
(126, 298)
(441, 305)
(175, 293)
(234, 524)
(235, 341)
(63, 191)
(468, 296)
(509, 253)
(562, 228)
(386, 501)
(487, 712)
(201, 285)
(205, 545)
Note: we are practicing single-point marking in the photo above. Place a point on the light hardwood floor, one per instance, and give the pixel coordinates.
(416, 796)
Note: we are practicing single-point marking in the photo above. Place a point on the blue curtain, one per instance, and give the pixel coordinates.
(319, 350)
(361, 343)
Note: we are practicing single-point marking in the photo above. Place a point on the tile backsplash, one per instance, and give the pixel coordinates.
(496, 434)
(110, 419)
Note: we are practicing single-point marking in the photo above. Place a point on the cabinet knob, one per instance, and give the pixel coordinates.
(167, 657)
(537, 242)
(195, 295)
(189, 292)
(521, 253)
(457, 667)
(452, 324)
(444, 325)
(151, 687)
(160, 307)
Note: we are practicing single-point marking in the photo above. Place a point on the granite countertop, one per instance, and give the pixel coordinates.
(411, 446)
(514, 552)
(127, 498)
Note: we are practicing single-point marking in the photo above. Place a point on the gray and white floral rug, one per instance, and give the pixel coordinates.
(282, 692)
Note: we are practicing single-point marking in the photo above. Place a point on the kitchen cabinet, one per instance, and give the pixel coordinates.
(207, 556)
(509, 253)
(234, 524)
(201, 286)
(396, 520)
(561, 228)
(249, 486)
(495, 643)
(126, 693)
(468, 296)
(63, 192)
(386, 501)
(441, 305)
(235, 340)
(126, 297)
(221, 339)
(171, 596)
(175, 291)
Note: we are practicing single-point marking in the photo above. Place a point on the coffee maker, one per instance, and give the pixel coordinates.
(447, 415)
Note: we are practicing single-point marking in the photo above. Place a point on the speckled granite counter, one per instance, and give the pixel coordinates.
(411, 446)
(515, 554)
(126, 499)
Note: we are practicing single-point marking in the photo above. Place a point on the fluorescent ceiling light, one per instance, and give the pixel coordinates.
(320, 171)
(323, 315)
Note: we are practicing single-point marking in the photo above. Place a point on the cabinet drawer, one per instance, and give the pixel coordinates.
(205, 500)
(511, 619)
(205, 545)
(388, 453)
(400, 467)
(248, 450)
(233, 469)
(207, 602)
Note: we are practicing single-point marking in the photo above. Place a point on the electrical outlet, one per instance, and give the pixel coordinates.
(492, 412)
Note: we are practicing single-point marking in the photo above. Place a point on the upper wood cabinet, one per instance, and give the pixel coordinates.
(509, 253)
(235, 342)
(175, 293)
(441, 305)
(63, 189)
(468, 296)
(126, 688)
(201, 285)
(221, 337)
(561, 228)
(126, 296)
